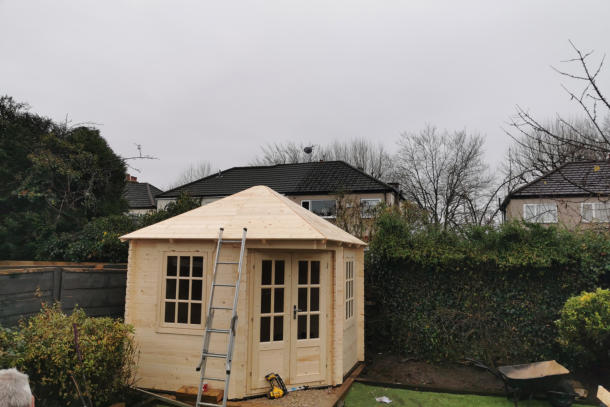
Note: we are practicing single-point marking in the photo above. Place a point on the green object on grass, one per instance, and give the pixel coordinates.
(362, 395)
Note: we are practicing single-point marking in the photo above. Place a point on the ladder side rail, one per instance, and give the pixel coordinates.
(208, 321)
(233, 327)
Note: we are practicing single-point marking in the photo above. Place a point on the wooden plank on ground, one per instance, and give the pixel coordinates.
(188, 394)
(347, 383)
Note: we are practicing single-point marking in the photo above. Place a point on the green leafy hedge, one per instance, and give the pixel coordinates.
(481, 292)
(99, 240)
(584, 328)
(43, 347)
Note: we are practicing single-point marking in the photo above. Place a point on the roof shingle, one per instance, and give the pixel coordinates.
(582, 178)
(140, 195)
(290, 179)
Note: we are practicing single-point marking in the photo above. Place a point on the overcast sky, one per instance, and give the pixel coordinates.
(214, 80)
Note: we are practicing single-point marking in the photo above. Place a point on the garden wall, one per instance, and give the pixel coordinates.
(98, 288)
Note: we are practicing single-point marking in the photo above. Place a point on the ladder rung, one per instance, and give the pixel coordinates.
(225, 308)
(228, 262)
(223, 285)
(231, 241)
(214, 378)
(218, 331)
(203, 403)
(215, 355)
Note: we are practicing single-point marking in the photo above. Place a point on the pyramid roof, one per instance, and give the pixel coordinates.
(265, 213)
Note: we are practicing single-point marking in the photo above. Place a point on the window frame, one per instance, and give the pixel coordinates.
(349, 290)
(309, 208)
(368, 216)
(178, 327)
(539, 217)
(594, 210)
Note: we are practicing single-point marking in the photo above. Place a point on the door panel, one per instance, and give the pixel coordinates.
(308, 332)
(271, 313)
(289, 318)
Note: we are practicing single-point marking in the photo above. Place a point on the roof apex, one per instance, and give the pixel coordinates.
(265, 213)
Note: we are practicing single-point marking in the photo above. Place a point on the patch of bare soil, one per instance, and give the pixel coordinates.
(386, 368)
(301, 398)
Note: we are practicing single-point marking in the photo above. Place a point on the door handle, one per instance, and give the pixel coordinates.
(294, 311)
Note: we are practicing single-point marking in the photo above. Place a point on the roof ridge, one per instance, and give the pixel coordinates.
(278, 196)
(150, 197)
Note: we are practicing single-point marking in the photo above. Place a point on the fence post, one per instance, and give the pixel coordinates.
(57, 277)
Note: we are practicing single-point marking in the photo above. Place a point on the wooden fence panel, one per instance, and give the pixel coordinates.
(99, 289)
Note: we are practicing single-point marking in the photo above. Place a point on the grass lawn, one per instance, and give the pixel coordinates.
(362, 395)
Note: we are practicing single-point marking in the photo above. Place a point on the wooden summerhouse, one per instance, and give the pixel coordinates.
(301, 302)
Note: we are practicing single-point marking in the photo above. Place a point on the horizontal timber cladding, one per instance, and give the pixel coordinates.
(99, 289)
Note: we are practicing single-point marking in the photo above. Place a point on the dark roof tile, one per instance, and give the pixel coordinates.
(580, 178)
(140, 195)
(291, 179)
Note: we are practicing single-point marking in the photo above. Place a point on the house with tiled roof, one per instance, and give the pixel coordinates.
(576, 194)
(323, 187)
(140, 196)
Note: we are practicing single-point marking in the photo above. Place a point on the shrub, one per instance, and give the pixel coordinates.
(43, 347)
(584, 327)
(97, 241)
(489, 293)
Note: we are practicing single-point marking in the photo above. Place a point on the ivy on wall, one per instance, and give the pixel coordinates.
(489, 293)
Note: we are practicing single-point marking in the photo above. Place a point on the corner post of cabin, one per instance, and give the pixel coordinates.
(338, 301)
(360, 303)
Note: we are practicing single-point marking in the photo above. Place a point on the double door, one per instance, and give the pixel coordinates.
(289, 318)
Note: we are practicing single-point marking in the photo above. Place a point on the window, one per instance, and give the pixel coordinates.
(183, 290)
(273, 286)
(326, 208)
(595, 212)
(367, 207)
(540, 213)
(349, 289)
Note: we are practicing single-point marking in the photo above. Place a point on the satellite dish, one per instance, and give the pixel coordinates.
(308, 149)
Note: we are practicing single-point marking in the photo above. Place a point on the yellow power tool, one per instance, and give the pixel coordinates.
(278, 388)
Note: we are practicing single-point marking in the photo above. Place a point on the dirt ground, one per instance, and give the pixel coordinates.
(305, 398)
(385, 368)
(392, 369)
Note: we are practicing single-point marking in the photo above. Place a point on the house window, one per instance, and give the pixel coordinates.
(595, 212)
(183, 290)
(326, 208)
(349, 289)
(367, 207)
(540, 213)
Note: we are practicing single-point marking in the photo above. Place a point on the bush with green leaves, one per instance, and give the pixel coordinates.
(584, 328)
(99, 240)
(484, 292)
(44, 348)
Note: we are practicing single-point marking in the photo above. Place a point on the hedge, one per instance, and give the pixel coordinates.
(482, 292)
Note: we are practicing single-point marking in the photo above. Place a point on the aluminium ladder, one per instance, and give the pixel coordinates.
(209, 329)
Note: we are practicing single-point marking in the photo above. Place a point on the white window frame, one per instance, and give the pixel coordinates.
(318, 200)
(369, 207)
(595, 207)
(540, 213)
(176, 300)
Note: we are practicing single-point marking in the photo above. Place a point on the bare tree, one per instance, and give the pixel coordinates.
(540, 147)
(192, 173)
(361, 153)
(445, 174)
(538, 153)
